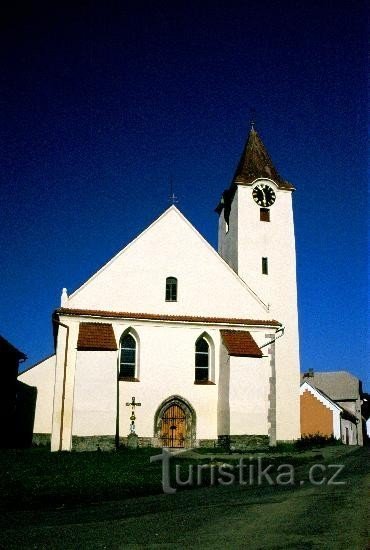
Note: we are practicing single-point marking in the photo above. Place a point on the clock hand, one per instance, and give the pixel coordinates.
(264, 196)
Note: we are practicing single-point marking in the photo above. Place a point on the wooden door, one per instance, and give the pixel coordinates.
(173, 428)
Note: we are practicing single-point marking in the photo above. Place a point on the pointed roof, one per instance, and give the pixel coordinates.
(255, 162)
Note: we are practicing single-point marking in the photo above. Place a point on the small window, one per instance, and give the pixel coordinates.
(264, 214)
(201, 359)
(127, 357)
(265, 269)
(171, 289)
(227, 218)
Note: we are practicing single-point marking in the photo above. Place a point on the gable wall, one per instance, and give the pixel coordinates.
(315, 416)
(135, 280)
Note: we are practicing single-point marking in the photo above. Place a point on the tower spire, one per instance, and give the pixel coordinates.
(255, 162)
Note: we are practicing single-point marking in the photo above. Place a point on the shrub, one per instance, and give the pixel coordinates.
(316, 440)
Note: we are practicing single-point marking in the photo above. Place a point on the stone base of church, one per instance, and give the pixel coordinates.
(243, 442)
(93, 443)
(108, 443)
(41, 440)
(143, 442)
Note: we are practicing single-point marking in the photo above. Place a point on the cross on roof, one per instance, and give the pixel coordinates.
(173, 198)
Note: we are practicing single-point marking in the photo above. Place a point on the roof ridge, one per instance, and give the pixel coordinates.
(166, 317)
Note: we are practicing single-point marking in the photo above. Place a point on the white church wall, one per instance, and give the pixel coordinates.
(274, 240)
(134, 281)
(167, 368)
(249, 400)
(61, 436)
(228, 235)
(42, 377)
(94, 411)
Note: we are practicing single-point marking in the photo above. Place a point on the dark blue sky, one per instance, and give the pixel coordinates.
(102, 102)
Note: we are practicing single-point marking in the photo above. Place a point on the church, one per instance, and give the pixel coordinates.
(205, 341)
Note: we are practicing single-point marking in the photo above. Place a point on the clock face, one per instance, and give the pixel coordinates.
(264, 195)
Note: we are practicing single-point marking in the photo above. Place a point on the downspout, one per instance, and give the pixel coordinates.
(281, 329)
(64, 381)
(271, 417)
(116, 438)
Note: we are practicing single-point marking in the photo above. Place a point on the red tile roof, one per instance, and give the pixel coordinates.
(240, 343)
(165, 317)
(96, 337)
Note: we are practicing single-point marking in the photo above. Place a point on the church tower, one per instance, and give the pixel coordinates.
(256, 238)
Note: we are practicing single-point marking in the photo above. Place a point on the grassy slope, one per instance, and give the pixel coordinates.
(254, 517)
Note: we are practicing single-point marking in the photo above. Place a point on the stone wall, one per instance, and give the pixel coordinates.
(41, 440)
(107, 442)
(93, 443)
(243, 442)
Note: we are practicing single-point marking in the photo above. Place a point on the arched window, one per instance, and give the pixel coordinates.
(171, 289)
(201, 359)
(128, 356)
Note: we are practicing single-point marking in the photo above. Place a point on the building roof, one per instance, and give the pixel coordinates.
(7, 347)
(340, 385)
(345, 413)
(96, 337)
(255, 162)
(240, 343)
(306, 385)
(165, 317)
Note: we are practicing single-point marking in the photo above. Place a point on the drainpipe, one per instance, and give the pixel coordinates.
(116, 438)
(55, 321)
(281, 329)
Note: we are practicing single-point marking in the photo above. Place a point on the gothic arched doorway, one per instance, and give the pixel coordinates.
(173, 427)
(174, 423)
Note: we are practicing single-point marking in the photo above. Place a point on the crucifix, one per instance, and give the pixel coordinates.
(133, 404)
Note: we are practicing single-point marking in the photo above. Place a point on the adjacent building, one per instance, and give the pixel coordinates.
(331, 406)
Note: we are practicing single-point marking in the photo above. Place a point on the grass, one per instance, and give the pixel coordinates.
(35, 477)
(115, 500)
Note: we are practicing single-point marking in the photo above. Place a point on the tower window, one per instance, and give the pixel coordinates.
(265, 269)
(171, 289)
(264, 214)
